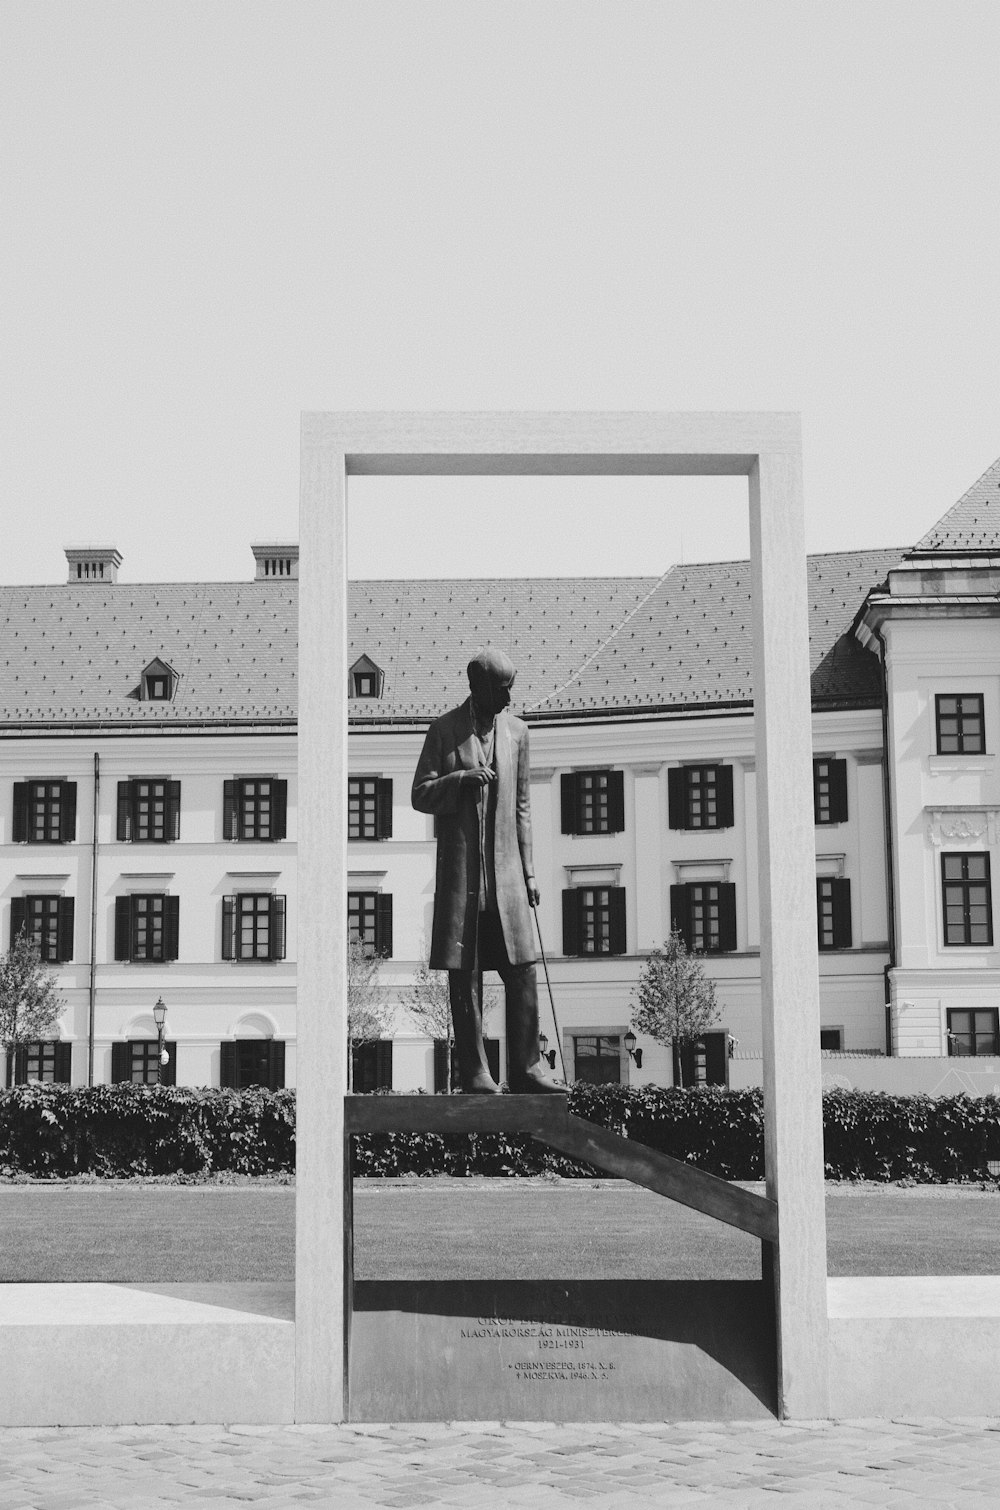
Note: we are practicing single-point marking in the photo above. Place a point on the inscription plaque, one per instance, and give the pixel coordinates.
(562, 1351)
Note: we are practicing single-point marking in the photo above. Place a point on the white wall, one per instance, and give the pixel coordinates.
(209, 999)
(941, 803)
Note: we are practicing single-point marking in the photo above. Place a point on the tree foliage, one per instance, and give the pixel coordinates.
(30, 1005)
(368, 1013)
(428, 1001)
(674, 998)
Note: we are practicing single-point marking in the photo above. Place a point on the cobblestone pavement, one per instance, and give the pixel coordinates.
(531, 1466)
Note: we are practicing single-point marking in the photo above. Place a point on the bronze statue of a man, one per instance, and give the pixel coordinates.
(473, 775)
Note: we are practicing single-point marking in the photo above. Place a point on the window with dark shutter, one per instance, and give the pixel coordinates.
(571, 921)
(252, 1061)
(253, 926)
(280, 822)
(441, 1065)
(384, 808)
(254, 808)
(44, 812)
(67, 832)
(146, 927)
(171, 925)
(833, 912)
(228, 927)
(124, 829)
(616, 901)
(369, 807)
(227, 1064)
(123, 924)
(44, 1063)
(704, 912)
(149, 810)
(383, 925)
(829, 790)
(18, 917)
(703, 1060)
(19, 831)
(594, 920)
(229, 829)
(362, 919)
(700, 796)
(371, 1065)
(592, 802)
(48, 922)
(277, 927)
(276, 1066)
(66, 910)
(137, 1062)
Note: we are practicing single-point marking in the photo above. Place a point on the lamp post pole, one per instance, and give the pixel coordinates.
(159, 1017)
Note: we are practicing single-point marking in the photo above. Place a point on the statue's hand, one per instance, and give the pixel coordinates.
(534, 895)
(480, 775)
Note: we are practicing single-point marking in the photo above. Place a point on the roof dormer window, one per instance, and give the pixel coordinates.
(365, 678)
(159, 681)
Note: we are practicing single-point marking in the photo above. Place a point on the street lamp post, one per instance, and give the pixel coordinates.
(160, 1017)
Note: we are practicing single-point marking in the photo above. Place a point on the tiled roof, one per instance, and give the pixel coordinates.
(74, 655)
(973, 523)
(688, 645)
(422, 634)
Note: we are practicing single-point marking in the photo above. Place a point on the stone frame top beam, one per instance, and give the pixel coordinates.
(571, 443)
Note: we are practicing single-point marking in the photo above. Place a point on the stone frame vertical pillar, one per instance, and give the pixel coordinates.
(765, 448)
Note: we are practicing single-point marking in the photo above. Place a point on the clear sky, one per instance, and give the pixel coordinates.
(220, 213)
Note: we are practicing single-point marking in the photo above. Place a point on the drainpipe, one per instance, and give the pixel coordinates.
(889, 847)
(93, 926)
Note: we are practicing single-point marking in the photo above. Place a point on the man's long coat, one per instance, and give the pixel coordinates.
(450, 748)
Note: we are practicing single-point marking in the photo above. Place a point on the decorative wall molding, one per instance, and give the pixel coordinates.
(962, 824)
(593, 875)
(701, 870)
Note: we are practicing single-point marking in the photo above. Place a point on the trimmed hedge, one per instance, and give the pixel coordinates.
(117, 1131)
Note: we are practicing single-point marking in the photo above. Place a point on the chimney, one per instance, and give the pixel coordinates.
(276, 561)
(93, 563)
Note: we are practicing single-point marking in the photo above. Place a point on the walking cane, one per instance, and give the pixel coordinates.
(552, 1000)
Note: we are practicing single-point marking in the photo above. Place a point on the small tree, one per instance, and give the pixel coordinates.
(428, 1002)
(30, 1005)
(675, 999)
(368, 1013)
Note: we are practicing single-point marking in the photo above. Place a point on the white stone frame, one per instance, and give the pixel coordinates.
(766, 449)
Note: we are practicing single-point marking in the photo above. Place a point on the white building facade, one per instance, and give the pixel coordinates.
(148, 803)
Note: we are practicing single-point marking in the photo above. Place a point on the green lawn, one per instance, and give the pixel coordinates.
(445, 1229)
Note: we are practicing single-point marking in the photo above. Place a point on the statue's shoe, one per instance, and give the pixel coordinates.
(536, 1083)
(481, 1085)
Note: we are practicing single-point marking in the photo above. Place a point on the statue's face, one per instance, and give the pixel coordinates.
(490, 694)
